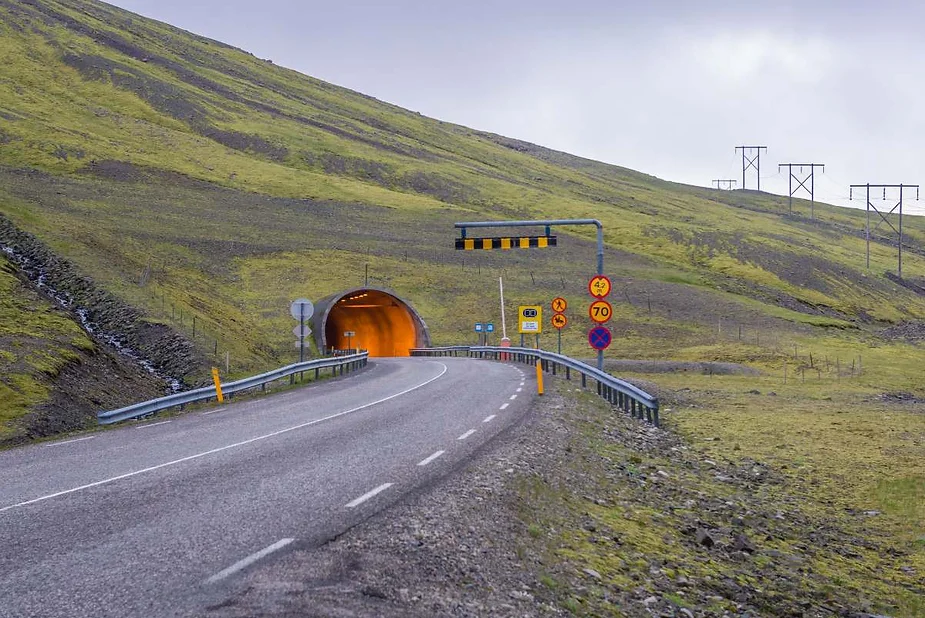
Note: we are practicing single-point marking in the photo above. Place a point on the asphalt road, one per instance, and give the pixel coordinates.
(156, 518)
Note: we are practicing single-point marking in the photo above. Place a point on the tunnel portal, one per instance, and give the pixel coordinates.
(383, 323)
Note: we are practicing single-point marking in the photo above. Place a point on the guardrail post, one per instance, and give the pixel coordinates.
(568, 373)
(599, 389)
(584, 381)
(649, 414)
(553, 368)
(655, 419)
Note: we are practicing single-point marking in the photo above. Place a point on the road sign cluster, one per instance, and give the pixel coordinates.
(301, 309)
(559, 319)
(600, 311)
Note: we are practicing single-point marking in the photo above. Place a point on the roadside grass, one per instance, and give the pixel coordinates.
(835, 511)
(36, 341)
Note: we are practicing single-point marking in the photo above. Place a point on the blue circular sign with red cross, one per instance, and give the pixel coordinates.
(600, 338)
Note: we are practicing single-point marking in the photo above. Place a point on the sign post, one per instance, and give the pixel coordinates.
(600, 311)
(350, 335)
(302, 309)
(559, 320)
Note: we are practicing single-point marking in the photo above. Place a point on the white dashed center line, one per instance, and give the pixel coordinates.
(489, 418)
(431, 458)
(368, 495)
(503, 406)
(513, 397)
(243, 564)
(519, 389)
(466, 435)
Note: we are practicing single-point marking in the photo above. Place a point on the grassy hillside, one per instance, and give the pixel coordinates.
(190, 177)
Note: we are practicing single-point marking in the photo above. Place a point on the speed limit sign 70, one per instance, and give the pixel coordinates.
(600, 311)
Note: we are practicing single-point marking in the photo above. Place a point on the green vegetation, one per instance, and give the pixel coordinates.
(823, 483)
(36, 340)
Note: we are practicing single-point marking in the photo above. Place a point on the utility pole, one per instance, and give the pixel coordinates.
(725, 183)
(801, 183)
(749, 161)
(883, 218)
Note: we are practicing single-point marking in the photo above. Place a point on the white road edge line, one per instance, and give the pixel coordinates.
(489, 418)
(151, 425)
(70, 441)
(223, 448)
(424, 462)
(503, 406)
(243, 564)
(513, 397)
(466, 435)
(368, 495)
(206, 413)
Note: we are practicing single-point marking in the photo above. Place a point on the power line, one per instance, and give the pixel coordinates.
(883, 218)
(801, 183)
(749, 161)
(725, 183)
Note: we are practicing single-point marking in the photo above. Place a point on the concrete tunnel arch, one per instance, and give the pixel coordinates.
(384, 324)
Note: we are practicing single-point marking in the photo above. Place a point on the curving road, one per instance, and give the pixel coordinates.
(154, 519)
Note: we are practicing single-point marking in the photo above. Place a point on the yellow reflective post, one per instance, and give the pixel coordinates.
(218, 385)
(539, 372)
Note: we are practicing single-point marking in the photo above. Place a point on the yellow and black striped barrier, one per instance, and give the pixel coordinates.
(506, 242)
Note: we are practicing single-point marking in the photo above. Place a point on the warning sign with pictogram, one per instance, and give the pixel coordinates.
(559, 321)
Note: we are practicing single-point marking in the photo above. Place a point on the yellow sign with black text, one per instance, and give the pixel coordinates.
(530, 319)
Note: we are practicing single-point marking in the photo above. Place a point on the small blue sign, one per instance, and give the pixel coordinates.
(478, 327)
(490, 327)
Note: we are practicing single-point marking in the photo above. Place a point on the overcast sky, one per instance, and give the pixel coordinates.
(664, 87)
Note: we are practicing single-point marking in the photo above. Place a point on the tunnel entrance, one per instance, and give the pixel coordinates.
(381, 322)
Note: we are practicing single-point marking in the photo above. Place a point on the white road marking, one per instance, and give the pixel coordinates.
(368, 495)
(431, 458)
(222, 448)
(70, 441)
(513, 397)
(522, 383)
(211, 411)
(466, 435)
(243, 564)
(503, 406)
(152, 425)
(518, 390)
(489, 418)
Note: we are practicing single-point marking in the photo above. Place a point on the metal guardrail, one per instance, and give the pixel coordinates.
(620, 393)
(337, 364)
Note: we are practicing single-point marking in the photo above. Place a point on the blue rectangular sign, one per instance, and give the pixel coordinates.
(490, 327)
(478, 327)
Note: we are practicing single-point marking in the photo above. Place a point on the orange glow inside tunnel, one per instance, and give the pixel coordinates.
(383, 324)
